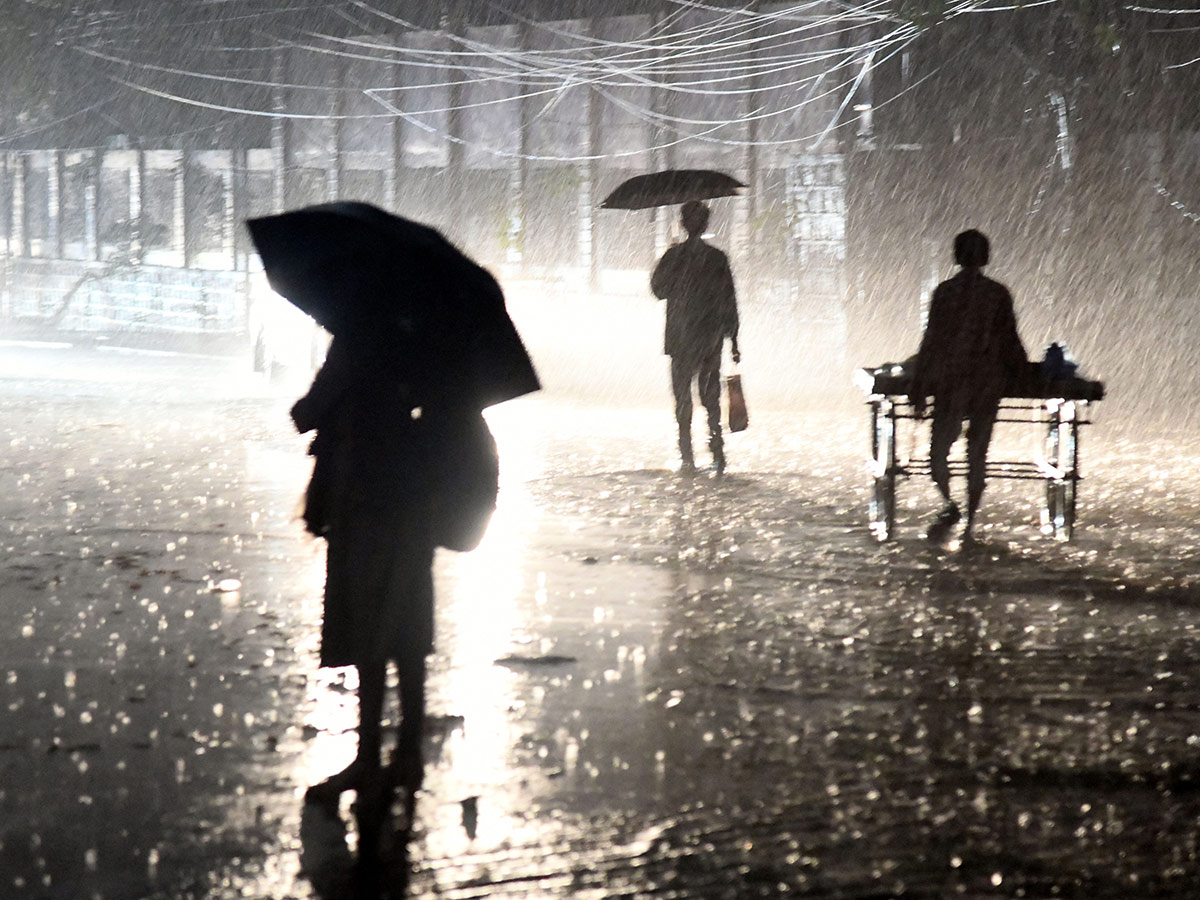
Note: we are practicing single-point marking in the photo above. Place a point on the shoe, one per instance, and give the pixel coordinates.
(686, 458)
(327, 793)
(716, 446)
(949, 516)
(405, 770)
(946, 519)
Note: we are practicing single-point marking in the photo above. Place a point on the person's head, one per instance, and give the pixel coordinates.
(971, 249)
(694, 218)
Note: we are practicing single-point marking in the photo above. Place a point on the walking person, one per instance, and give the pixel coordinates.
(695, 280)
(970, 356)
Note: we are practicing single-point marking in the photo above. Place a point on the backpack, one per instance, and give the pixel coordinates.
(461, 472)
(464, 471)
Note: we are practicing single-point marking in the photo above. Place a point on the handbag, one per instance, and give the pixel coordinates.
(739, 419)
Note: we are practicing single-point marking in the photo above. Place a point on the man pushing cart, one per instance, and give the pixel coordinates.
(973, 364)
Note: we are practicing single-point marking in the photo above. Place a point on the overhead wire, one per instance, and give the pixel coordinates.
(672, 84)
(695, 53)
(1165, 12)
(473, 78)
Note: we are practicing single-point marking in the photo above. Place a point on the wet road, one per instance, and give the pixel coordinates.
(643, 686)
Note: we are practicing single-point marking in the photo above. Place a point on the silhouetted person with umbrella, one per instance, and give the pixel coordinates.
(385, 446)
(695, 279)
(369, 500)
(970, 356)
(404, 460)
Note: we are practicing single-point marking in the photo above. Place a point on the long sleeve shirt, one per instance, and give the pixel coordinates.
(971, 352)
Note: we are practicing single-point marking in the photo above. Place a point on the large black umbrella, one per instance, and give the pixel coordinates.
(671, 186)
(376, 278)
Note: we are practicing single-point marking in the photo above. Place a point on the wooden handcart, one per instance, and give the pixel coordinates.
(1060, 408)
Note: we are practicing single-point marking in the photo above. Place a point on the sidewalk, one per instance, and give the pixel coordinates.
(199, 344)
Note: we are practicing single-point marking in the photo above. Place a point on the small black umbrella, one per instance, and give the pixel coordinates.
(371, 276)
(671, 186)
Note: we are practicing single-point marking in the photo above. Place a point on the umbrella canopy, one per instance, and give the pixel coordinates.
(671, 186)
(375, 278)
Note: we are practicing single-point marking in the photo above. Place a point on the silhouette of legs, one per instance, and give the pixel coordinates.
(681, 386)
(979, 436)
(374, 784)
(706, 371)
(944, 431)
(372, 686)
(371, 801)
(407, 768)
(710, 398)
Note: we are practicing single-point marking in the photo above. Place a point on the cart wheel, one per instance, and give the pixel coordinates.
(1050, 509)
(1058, 515)
(883, 507)
(1067, 505)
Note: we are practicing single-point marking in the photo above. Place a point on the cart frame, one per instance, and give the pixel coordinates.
(1060, 409)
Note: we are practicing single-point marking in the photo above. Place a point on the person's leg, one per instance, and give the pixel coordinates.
(413, 604)
(372, 797)
(407, 766)
(710, 399)
(943, 432)
(681, 385)
(372, 687)
(979, 436)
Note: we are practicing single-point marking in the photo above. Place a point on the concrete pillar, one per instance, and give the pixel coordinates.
(589, 257)
(6, 176)
(750, 203)
(54, 180)
(279, 132)
(5, 301)
(392, 178)
(456, 152)
(137, 180)
(229, 219)
(179, 229)
(91, 208)
(239, 177)
(20, 234)
(334, 171)
(661, 103)
(519, 174)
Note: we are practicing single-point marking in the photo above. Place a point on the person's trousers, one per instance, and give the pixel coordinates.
(707, 373)
(945, 430)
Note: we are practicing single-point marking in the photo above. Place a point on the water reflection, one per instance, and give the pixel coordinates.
(481, 614)
(738, 692)
(815, 714)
